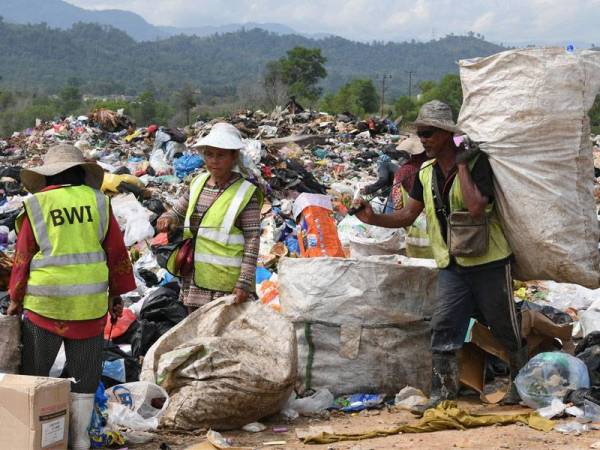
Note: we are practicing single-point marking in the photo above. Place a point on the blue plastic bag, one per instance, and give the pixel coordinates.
(99, 418)
(293, 246)
(115, 370)
(187, 164)
(262, 274)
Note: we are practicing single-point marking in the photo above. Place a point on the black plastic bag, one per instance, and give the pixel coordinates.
(112, 352)
(160, 312)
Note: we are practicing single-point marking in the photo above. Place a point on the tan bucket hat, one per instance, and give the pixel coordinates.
(56, 160)
(436, 114)
(411, 145)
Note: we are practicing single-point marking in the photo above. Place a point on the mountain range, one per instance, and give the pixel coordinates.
(60, 14)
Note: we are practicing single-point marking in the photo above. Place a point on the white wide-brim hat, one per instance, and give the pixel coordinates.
(222, 135)
(56, 160)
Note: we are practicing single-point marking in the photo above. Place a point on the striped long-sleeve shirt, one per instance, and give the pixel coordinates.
(248, 221)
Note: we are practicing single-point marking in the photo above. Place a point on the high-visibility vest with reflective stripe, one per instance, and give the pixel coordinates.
(68, 278)
(219, 245)
(498, 247)
(417, 239)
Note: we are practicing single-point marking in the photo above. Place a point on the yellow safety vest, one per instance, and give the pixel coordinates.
(219, 245)
(417, 239)
(68, 278)
(498, 247)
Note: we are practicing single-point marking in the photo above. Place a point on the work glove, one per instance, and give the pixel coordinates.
(467, 151)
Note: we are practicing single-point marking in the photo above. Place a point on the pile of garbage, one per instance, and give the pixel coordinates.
(310, 165)
(148, 168)
(310, 154)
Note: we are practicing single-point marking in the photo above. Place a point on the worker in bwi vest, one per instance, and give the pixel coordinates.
(220, 214)
(417, 240)
(456, 187)
(71, 266)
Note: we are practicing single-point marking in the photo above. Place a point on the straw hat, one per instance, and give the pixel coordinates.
(411, 145)
(222, 135)
(58, 159)
(436, 114)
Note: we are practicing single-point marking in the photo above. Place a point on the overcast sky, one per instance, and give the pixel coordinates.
(499, 20)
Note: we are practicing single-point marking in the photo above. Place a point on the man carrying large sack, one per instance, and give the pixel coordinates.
(455, 189)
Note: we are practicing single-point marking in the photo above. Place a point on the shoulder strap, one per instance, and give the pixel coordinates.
(437, 196)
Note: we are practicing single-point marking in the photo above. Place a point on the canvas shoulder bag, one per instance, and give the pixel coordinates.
(465, 234)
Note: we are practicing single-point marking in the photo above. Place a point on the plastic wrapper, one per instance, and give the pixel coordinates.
(409, 397)
(358, 402)
(159, 162)
(315, 404)
(550, 376)
(133, 218)
(573, 426)
(252, 151)
(101, 435)
(254, 427)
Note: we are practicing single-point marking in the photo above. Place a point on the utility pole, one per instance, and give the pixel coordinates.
(385, 76)
(410, 73)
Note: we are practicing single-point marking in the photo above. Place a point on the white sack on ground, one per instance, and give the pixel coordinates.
(530, 108)
(224, 366)
(360, 323)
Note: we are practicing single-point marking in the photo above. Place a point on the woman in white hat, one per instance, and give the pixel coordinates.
(71, 266)
(220, 212)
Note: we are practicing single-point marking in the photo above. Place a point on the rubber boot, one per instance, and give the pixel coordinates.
(516, 361)
(444, 381)
(82, 406)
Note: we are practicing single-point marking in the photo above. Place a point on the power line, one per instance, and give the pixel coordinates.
(410, 74)
(385, 76)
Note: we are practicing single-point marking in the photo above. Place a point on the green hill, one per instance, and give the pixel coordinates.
(108, 61)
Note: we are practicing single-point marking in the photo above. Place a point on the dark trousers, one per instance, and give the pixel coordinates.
(84, 357)
(483, 293)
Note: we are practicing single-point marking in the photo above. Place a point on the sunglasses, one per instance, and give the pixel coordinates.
(426, 134)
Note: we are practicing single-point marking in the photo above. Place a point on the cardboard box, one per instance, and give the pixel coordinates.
(34, 412)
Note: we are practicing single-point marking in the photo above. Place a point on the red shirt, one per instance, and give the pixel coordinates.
(405, 178)
(120, 278)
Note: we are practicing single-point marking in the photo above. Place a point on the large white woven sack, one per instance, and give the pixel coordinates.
(530, 109)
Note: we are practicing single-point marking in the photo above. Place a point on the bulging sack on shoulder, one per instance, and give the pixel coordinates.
(529, 109)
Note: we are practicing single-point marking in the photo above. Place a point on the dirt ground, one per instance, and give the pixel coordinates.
(508, 437)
